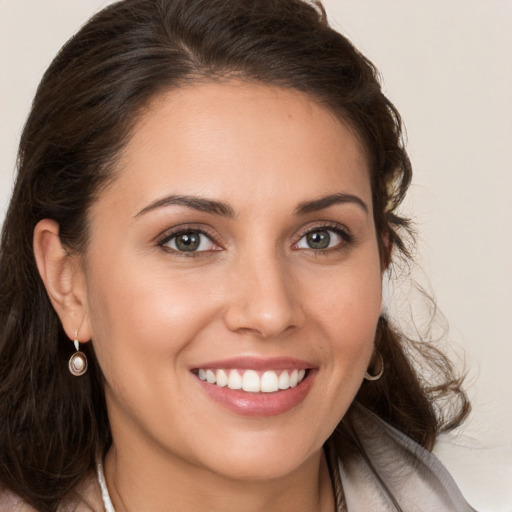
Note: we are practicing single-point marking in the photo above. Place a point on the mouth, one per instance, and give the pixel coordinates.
(252, 381)
(254, 387)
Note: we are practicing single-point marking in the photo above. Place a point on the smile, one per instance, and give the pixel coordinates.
(257, 387)
(252, 381)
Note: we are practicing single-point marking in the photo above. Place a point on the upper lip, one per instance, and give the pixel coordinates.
(256, 363)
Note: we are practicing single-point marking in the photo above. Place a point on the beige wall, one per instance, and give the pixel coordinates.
(446, 65)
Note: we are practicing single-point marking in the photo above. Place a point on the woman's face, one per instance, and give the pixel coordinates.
(236, 247)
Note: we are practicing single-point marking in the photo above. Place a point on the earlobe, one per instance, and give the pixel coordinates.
(63, 280)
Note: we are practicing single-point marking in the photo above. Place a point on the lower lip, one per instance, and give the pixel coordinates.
(259, 404)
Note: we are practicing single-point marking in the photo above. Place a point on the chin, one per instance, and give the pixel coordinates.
(264, 459)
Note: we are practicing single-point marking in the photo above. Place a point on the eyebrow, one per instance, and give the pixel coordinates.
(219, 208)
(330, 200)
(194, 202)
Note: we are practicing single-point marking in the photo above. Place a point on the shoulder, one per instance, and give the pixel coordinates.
(395, 470)
(86, 497)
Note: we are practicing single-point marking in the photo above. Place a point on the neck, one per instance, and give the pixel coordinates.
(164, 484)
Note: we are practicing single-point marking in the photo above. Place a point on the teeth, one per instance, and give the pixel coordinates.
(221, 378)
(251, 381)
(284, 380)
(234, 380)
(269, 382)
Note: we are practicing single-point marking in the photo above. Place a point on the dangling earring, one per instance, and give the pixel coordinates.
(378, 375)
(78, 361)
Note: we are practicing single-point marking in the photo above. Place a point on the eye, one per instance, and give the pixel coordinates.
(189, 241)
(322, 238)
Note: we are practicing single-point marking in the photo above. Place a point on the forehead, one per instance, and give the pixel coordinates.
(240, 139)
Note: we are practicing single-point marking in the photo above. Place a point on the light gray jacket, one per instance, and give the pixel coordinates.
(415, 477)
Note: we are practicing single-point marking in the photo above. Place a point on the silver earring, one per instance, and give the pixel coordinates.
(378, 375)
(78, 361)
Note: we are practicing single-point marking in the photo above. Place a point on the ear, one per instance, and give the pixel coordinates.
(63, 278)
(387, 247)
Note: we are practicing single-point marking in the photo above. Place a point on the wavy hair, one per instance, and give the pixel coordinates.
(54, 425)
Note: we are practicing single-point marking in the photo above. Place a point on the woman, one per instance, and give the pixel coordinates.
(191, 269)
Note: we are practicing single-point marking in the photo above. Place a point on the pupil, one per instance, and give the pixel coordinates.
(319, 239)
(188, 242)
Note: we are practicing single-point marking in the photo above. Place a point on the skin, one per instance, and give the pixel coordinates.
(257, 290)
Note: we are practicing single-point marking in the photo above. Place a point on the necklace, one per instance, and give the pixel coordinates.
(107, 502)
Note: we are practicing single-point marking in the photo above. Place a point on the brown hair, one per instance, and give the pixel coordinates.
(54, 425)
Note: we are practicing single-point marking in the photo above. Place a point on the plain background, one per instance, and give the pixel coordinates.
(446, 64)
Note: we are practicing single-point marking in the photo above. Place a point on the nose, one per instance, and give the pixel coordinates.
(263, 298)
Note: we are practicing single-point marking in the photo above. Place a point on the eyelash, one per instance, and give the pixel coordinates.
(185, 230)
(342, 232)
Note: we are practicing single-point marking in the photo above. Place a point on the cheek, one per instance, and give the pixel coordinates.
(344, 310)
(348, 301)
(347, 305)
(138, 315)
